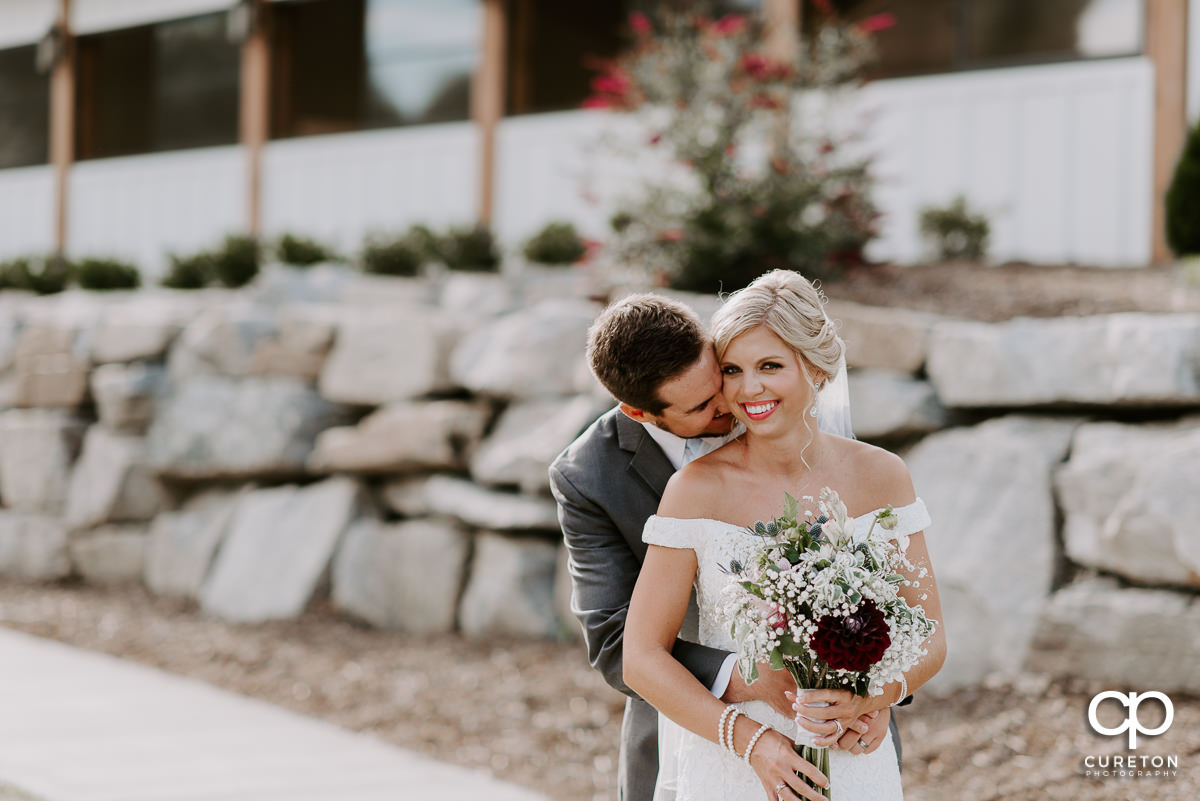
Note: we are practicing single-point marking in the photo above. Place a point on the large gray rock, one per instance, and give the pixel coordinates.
(530, 354)
(282, 285)
(278, 549)
(1131, 499)
(385, 291)
(511, 589)
(33, 547)
(406, 576)
(992, 541)
(183, 543)
(218, 428)
(112, 482)
(476, 506)
(139, 330)
(37, 449)
(384, 355)
(1120, 637)
(527, 438)
(889, 404)
(882, 338)
(477, 295)
(1117, 359)
(300, 345)
(126, 395)
(222, 341)
(51, 364)
(110, 555)
(9, 328)
(403, 436)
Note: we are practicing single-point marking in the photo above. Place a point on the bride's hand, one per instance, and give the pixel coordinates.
(820, 712)
(776, 763)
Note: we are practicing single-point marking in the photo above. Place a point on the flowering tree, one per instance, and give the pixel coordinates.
(762, 188)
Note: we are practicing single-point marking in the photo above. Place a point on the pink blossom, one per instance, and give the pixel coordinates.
(778, 618)
(729, 25)
(877, 22)
(765, 101)
(654, 140)
(614, 83)
(756, 66)
(596, 101)
(640, 23)
(671, 235)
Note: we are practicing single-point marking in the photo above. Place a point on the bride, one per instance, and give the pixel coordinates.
(777, 351)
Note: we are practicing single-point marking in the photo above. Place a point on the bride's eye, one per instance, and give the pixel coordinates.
(729, 370)
(772, 366)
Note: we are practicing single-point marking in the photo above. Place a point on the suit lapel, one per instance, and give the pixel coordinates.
(647, 460)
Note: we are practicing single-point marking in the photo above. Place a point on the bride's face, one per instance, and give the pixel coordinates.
(765, 386)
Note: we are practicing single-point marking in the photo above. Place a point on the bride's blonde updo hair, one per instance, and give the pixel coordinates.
(792, 308)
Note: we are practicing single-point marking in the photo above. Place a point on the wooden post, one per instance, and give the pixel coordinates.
(1166, 47)
(254, 109)
(487, 101)
(62, 124)
(782, 20)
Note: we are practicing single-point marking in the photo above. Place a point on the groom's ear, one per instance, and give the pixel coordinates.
(635, 414)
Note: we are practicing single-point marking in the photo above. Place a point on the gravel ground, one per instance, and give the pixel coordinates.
(534, 713)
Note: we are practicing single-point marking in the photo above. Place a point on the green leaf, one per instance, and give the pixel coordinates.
(791, 507)
(776, 660)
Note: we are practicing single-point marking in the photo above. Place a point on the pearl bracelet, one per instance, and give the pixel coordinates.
(754, 741)
(725, 728)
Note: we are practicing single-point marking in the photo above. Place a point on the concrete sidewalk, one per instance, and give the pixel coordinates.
(80, 726)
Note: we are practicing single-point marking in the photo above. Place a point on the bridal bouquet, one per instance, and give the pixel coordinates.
(822, 603)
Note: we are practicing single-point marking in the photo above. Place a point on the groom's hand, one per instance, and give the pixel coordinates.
(771, 686)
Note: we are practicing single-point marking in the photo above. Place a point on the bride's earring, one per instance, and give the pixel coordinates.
(812, 410)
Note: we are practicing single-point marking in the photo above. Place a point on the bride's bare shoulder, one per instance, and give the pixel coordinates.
(885, 477)
(691, 492)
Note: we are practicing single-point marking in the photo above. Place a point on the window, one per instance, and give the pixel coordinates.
(933, 36)
(344, 65)
(24, 109)
(553, 45)
(157, 87)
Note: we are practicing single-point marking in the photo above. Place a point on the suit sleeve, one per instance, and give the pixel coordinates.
(603, 572)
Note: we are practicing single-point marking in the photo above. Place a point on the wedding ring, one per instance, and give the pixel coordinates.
(841, 730)
(864, 745)
(779, 790)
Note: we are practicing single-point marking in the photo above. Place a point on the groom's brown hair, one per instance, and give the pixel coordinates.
(639, 343)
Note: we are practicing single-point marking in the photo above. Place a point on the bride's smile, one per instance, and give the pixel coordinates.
(762, 375)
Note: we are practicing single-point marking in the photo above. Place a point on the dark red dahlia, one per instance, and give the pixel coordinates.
(854, 642)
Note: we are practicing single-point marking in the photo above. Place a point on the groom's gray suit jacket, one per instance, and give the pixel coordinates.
(608, 482)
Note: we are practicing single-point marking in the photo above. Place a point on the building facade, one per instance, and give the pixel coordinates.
(136, 128)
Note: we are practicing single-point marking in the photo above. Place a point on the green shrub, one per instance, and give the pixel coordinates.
(302, 251)
(45, 275)
(469, 248)
(955, 232)
(236, 262)
(556, 243)
(190, 272)
(104, 274)
(397, 255)
(1183, 200)
(427, 244)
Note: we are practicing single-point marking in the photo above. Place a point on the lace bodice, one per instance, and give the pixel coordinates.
(706, 772)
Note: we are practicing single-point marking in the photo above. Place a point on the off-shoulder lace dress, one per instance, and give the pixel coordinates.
(695, 769)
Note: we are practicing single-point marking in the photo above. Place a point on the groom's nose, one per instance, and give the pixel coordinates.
(720, 407)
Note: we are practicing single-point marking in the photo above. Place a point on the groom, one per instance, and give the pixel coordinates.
(653, 355)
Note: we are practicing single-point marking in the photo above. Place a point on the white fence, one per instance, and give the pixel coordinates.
(26, 211)
(143, 207)
(339, 188)
(1059, 157)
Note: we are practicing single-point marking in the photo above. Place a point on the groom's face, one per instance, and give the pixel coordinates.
(695, 406)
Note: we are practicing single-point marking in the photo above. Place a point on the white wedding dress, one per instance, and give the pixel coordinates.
(692, 768)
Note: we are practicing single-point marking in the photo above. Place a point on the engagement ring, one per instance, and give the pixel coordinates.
(841, 731)
(779, 790)
(864, 745)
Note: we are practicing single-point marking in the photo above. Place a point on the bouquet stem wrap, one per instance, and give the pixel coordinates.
(817, 755)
